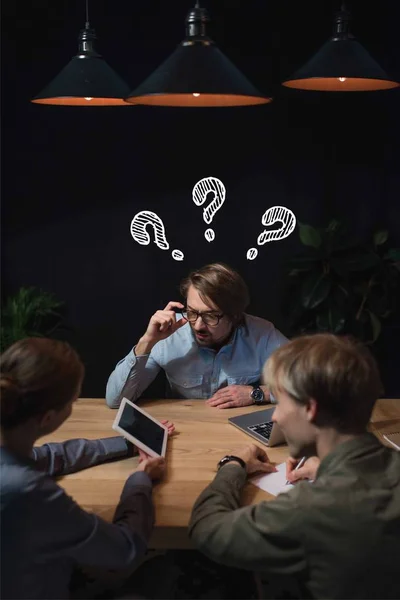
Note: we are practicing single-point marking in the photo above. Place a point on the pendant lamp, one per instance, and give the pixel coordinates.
(87, 80)
(341, 65)
(197, 74)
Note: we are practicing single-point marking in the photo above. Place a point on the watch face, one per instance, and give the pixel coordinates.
(258, 395)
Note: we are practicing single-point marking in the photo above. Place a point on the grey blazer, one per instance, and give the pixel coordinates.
(45, 533)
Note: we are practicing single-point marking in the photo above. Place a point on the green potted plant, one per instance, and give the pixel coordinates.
(340, 285)
(31, 312)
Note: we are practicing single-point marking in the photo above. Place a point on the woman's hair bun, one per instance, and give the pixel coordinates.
(9, 393)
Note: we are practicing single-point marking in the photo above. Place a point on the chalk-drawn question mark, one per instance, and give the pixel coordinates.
(139, 232)
(200, 194)
(271, 216)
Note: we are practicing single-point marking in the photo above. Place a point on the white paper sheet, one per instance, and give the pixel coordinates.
(273, 483)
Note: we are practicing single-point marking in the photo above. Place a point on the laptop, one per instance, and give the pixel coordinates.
(260, 426)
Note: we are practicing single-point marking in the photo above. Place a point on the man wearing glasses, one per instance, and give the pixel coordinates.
(209, 348)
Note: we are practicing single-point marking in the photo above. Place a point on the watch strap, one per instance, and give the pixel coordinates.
(257, 395)
(231, 458)
(255, 385)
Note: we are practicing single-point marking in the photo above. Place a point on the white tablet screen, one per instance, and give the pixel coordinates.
(142, 428)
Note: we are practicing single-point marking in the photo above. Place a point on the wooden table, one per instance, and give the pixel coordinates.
(203, 436)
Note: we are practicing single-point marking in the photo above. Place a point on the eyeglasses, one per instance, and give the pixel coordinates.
(209, 318)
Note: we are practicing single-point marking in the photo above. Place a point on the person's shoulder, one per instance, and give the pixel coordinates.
(18, 480)
(257, 325)
(260, 331)
(257, 321)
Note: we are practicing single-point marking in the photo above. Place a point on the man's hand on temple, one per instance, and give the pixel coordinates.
(232, 396)
(161, 325)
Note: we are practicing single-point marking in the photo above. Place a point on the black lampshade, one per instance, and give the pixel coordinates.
(197, 74)
(87, 80)
(341, 65)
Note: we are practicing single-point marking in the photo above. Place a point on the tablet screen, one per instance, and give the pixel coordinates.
(142, 428)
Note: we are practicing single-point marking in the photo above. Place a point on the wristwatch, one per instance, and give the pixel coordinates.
(257, 394)
(229, 458)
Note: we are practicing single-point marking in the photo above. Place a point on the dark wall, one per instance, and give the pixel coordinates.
(73, 178)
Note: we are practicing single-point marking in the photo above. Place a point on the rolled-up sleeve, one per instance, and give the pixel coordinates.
(131, 377)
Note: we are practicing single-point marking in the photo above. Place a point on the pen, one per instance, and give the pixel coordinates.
(300, 464)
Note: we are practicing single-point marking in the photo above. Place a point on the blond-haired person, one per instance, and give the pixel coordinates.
(340, 535)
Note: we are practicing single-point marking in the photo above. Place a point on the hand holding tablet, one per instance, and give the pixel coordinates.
(154, 467)
(169, 425)
(145, 432)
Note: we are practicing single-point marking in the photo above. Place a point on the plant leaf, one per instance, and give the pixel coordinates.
(29, 313)
(304, 261)
(332, 320)
(314, 290)
(355, 262)
(342, 296)
(309, 236)
(393, 254)
(380, 237)
(376, 326)
(333, 225)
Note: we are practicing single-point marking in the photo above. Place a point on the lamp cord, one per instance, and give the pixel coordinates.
(87, 25)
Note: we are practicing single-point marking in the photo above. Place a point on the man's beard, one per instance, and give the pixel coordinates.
(209, 341)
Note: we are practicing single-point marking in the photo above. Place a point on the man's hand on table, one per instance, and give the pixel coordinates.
(307, 471)
(232, 396)
(255, 459)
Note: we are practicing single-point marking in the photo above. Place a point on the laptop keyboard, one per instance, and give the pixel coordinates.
(263, 429)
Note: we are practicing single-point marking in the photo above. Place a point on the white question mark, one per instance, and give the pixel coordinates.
(199, 195)
(271, 216)
(140, 234)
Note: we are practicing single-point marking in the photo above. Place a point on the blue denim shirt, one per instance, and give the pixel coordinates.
(193, 371)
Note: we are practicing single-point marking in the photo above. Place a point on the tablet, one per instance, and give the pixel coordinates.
(137, 426)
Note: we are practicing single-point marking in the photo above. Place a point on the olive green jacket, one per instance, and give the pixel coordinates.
(339, 536)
